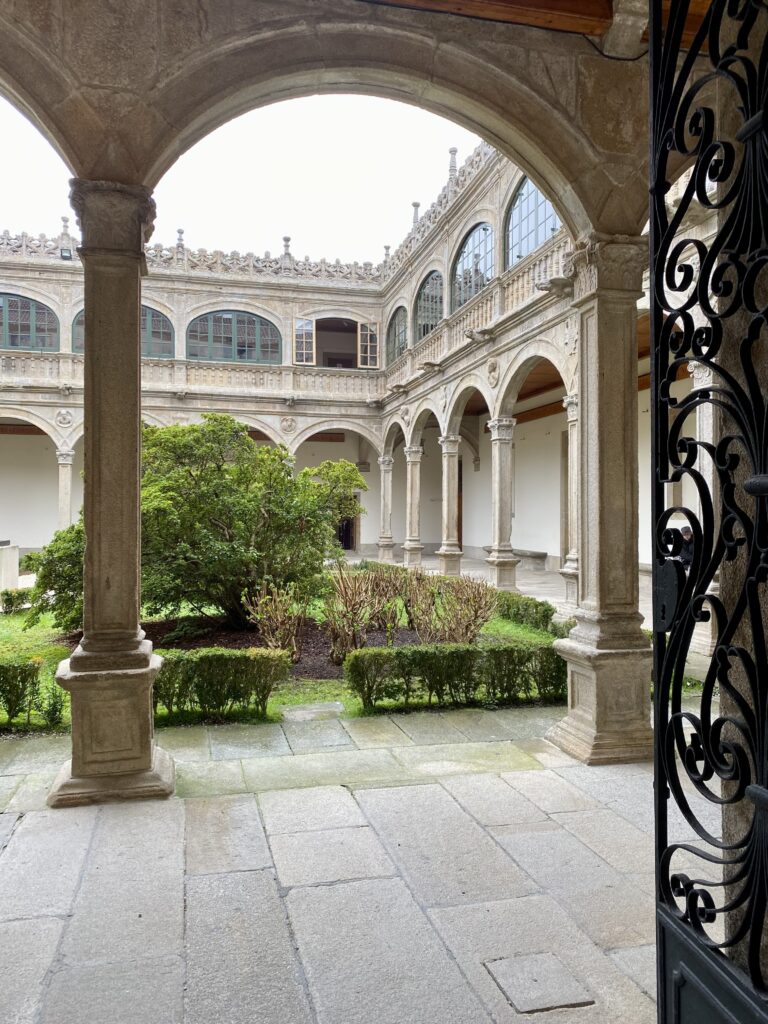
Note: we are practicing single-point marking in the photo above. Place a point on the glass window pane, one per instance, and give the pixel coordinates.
(397, 334)
(429, 305)
(531, 222)
(228, 336)
(473, 268)
(26, 324)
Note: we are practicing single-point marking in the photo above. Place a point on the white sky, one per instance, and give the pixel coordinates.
(336, 173)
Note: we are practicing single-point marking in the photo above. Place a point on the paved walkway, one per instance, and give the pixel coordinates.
(425, 868)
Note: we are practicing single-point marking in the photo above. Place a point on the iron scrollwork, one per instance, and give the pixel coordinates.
(709, 152)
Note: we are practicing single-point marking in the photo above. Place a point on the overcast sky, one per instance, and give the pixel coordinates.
(336, 173)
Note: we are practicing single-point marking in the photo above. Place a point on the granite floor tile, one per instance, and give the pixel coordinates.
(490, 800)
(376, 732)
(224, 834)
(232, 742)
(308, 737)
(461, 758)
(307, 810)
(342, 854)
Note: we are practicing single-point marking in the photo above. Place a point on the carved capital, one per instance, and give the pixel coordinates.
(702, 374)
(386, 462)
(64, 456)
(413, 452)
(113, 218)
(606, 263)
(502, 429)
(450, 444)
(571, 406)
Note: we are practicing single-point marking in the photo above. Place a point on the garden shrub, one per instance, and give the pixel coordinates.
(507, 672)
(560, 630)
(49, 703)
(551, 675)
(349, 608)
(14, 600)
(217, 679)
(59, 584)
(371, 673)
(19, 684)
(526, 611)
(279, 617)
(447, 671)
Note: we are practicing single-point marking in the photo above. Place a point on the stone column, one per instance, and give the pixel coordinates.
(386, 543)
(64, 457)
(449, 552)
(570, 569)
(501, 559)
(111, 672)
(609, 658)
(413, 547)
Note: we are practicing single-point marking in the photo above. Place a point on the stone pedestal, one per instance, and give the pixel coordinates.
(608, 656)
(502, 562)
(570, 569)
(449, 553)
(413, 547)
(9, 566)
(386, 543)
(64, 457)
(110, 674)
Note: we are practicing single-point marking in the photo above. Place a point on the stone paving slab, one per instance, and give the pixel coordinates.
(376, 732)
(7, 824)
(614, 916)
(556, 860)
(187, 744)
(546, 753)
(38, 753)
(317, 712)
(8, 786)
(131, 899)
(640, 965)
(425, 727)
(141, 992)
(537, 982)
(612, 837)
(460, 758)
(485, 932)
(223, 834)
(218, 778)
(27, 949)
(443, 854)
(534, 724)
(550, 792)
(232, 742)
(490, 800)
(479, 726)
(31, 793)
(371, 956)
(241, 965)
(307, 737)
(306, 810)
(40, 867)
(336, 855)
(334, 768)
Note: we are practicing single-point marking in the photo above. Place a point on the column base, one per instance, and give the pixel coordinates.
(412, 554)
(503, 571)
(449, 562)
(69, 790)
(386, 551)
(570, 576)
(609, 704)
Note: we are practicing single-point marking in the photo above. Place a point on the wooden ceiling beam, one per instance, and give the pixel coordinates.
(592, 17)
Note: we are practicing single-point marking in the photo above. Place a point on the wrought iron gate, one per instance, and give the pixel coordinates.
(709, 292)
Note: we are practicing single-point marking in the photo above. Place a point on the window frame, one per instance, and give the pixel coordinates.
(50, 333)
(438, 301)
(540, 214)
(468, 252)
(233, 347)
(148, 313)
(397, 334)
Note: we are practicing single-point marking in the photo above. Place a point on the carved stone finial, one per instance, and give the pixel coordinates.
(287, 245)
(179, 236)
(452, 171)
(386, 253)
(415, 213)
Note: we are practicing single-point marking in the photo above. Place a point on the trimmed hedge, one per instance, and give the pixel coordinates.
(19, 687)
(15, 600)
(526, 611)
(501, 673)
(216, 679)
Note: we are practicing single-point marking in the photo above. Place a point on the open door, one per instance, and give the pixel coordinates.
(304, 342)
(368, 346)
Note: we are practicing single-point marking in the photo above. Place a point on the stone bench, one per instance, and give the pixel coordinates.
(535, 560)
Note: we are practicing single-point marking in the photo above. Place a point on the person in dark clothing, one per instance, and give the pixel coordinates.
(686, 555)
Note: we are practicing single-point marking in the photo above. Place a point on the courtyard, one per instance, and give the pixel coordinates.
(428, 867)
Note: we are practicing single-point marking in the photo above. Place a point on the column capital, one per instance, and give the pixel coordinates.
(413, 452)
(702, 374)
(450, 444)
(571, 406)
(64, 456)
(606, 263)
(113, 218)
(502, 428)
(386, 462)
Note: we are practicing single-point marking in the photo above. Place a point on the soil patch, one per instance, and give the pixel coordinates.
(315, 662)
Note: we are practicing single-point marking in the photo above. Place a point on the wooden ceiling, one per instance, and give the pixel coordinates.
(590, 17)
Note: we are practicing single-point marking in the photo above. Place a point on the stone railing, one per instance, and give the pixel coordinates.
(61, 368)
(399, 371)
(474, 315)
(432, 348)
(519, 282)
(355, 385)
(236, 378)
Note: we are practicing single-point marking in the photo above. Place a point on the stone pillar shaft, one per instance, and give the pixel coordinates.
(501, 560)
(413, 547)
(64, 457)
(570, 569)
(110, 674)
(449, 553)
(609, 658)
(386, 543)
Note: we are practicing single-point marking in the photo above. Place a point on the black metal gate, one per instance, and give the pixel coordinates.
(709, 294)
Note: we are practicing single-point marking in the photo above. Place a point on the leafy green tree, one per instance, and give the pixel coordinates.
(59, 584)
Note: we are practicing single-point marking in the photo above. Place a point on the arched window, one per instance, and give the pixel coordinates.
(397, 334)
(156, 334)
(531, 221)
(26, 324)
(428, 311)
(231, 337)
(473, 267)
